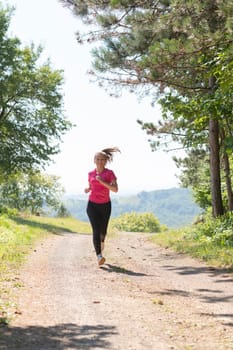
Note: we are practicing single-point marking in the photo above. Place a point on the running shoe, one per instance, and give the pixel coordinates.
(101, 260)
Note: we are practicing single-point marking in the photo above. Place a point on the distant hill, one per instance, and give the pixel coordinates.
(173, 207)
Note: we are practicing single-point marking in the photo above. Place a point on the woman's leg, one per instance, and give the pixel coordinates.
(95, 220)
(99, 215)
(106, 212)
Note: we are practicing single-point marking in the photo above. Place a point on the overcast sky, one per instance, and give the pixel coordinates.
(101, 121)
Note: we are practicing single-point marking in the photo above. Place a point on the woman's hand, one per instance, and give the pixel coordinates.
(111, 186)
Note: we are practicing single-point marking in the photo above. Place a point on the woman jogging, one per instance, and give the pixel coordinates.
(101, 181)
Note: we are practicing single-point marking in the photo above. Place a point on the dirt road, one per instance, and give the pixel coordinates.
(144, 297)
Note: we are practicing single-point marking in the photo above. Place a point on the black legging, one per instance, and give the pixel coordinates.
(99, 215)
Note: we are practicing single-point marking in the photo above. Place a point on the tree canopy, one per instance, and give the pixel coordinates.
(167, 43)
(176, 49)
(32, 119)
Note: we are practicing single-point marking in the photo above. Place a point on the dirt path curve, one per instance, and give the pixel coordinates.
(145, 297)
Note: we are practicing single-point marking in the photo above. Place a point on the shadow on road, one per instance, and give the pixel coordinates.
(224, 273)
(53, 228)
(118, 269)
(59, 337)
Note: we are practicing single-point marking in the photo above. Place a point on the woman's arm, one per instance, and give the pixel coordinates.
(87, 189)
(111, 186)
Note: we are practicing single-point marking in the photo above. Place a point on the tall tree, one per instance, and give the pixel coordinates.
(186, 121)
(162, 46)
(32, 118)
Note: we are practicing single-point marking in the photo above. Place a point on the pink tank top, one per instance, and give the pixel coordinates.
(99, 193)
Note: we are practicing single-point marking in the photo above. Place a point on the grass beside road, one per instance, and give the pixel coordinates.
(18, 235)
(212, 248)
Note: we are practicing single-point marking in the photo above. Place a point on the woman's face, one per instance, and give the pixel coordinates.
(100, 159)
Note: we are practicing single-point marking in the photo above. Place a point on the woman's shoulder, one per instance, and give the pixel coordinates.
(92, 172)
(108, 170)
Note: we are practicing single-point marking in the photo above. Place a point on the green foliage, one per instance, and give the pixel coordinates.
(32, 119)
(210, 240)
(218, 231)
(62, 211)
(175, 44)
(195, 174)
(137, 222)
(31, 192)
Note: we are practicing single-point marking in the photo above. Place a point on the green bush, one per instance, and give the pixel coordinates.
(137, 222)
(218, 231)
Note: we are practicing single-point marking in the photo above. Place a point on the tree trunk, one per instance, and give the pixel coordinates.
(228, 181)
(216, 194)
